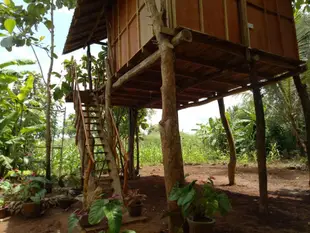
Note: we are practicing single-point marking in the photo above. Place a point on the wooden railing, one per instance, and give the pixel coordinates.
(124, 154)
(80, 119)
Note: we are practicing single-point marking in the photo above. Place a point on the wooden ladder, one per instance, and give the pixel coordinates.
(90, 126)
(106, 169)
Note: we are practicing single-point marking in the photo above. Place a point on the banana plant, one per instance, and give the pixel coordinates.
(17, 121)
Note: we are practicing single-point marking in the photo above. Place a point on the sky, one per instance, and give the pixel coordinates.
(188, 118)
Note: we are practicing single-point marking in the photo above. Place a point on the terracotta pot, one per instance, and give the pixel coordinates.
(201, 225)
(31, 210)
(4, 212)
(84, 221)
(65, 203)
(135, 210)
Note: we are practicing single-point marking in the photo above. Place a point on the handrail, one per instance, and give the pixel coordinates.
(125, 155)
(76, 92)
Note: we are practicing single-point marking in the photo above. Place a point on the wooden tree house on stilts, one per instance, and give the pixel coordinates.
(177, 54)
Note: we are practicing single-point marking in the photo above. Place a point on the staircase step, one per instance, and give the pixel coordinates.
(101, 152)
(94, 130)
(105, 179)
(91, 110)
(91, 117)
(99, 145)
(91, 123)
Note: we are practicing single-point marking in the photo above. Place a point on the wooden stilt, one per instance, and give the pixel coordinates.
(138, 151)
(260, 142)
(169, 126)
(131, 141)
(305, 103)
(231, 143)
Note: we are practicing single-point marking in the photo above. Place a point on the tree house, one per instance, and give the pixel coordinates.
(208, 65)
(176, 54)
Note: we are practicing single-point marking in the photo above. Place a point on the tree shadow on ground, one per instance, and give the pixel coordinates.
(288, 213)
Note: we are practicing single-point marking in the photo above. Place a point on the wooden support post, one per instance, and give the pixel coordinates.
(169, 126)
(305, 103)
(231, 143)
(108, 116)
(260, 142)
(131, 141)
(138, 150)
(90, 79)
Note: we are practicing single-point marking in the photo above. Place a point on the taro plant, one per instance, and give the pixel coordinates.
(111, 209)
(200, 204)
(31, 189)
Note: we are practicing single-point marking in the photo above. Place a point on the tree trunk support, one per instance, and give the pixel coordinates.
(231, 143)
(169, 126)
(138, 151)
(305, 103)
(131, 141)
(260, 141)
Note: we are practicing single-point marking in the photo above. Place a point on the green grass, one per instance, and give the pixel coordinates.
(193, 150)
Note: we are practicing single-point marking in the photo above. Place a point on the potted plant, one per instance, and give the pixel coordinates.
(6, 189)
(109, 210)
(134, 201)
(65, 202)
(3, 209)
(199, 207)
(31, 193)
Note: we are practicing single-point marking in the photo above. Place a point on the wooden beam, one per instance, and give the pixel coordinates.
(243, 89)
(183, 36)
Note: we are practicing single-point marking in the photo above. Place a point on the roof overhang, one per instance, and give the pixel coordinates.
(88, 25)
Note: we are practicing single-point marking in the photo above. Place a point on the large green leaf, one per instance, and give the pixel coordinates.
(114, 215)
(7, 2)
(72, 222)
(17, 62)
(25, 90)
(58, 93)
(7, 42)
(224, 203)
(8, 119)
(9, 25)
(32, 129)
(6, 162)
(96, 213)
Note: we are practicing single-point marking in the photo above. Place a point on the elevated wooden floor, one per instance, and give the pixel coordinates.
(206, 69)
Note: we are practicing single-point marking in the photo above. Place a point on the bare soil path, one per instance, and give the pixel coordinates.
(288, 190)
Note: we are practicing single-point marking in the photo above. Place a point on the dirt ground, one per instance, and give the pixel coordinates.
(289, 203)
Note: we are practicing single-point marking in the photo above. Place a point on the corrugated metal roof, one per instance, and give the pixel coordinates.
(88, 25)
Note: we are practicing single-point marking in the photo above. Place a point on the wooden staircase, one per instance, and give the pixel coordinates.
(91, 126)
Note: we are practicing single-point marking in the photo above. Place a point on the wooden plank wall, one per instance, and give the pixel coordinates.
(272, 20)
(131, 30)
